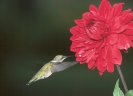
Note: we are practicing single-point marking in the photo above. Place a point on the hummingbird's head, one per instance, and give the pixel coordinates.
(59, 58)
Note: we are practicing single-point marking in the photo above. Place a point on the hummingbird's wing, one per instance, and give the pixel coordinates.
(62, 66)
(44, 72)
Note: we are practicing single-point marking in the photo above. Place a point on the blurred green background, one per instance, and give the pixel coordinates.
(34, 31)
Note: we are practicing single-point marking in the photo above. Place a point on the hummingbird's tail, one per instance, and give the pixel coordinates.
(41, 74)
(31, 81)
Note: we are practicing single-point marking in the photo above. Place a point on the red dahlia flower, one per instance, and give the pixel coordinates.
(101, 34)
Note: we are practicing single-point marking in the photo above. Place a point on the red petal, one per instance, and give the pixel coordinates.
(113, 39)
(77, 44)
(104, 8)
(123, 42)
(130, 38)
(91, 64)
(104, 52)
(129, 32)
(116, 55)
(93, 10)
(91, 53)
(130, 25)
(100, 73)
(80, 37)
(110, 67)
(117, 8)
(81, 60)
(86, 18)
(100, 64)
(75, 30)
(125, 16)
(128, 18)
(121, 29)
(93, 34)
(79, 22)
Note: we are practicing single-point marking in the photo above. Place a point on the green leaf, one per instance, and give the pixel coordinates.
(117, 90)
(129, 93)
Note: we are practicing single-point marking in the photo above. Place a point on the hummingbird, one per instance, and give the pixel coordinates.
(59, 63)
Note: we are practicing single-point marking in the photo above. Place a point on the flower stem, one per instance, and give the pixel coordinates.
(122, 78)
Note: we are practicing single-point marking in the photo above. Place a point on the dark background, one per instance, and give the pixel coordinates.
(34, 31)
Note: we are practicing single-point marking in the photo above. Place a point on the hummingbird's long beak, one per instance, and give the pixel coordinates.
(66, 56)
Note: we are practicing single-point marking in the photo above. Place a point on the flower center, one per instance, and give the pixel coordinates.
(97, 30)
